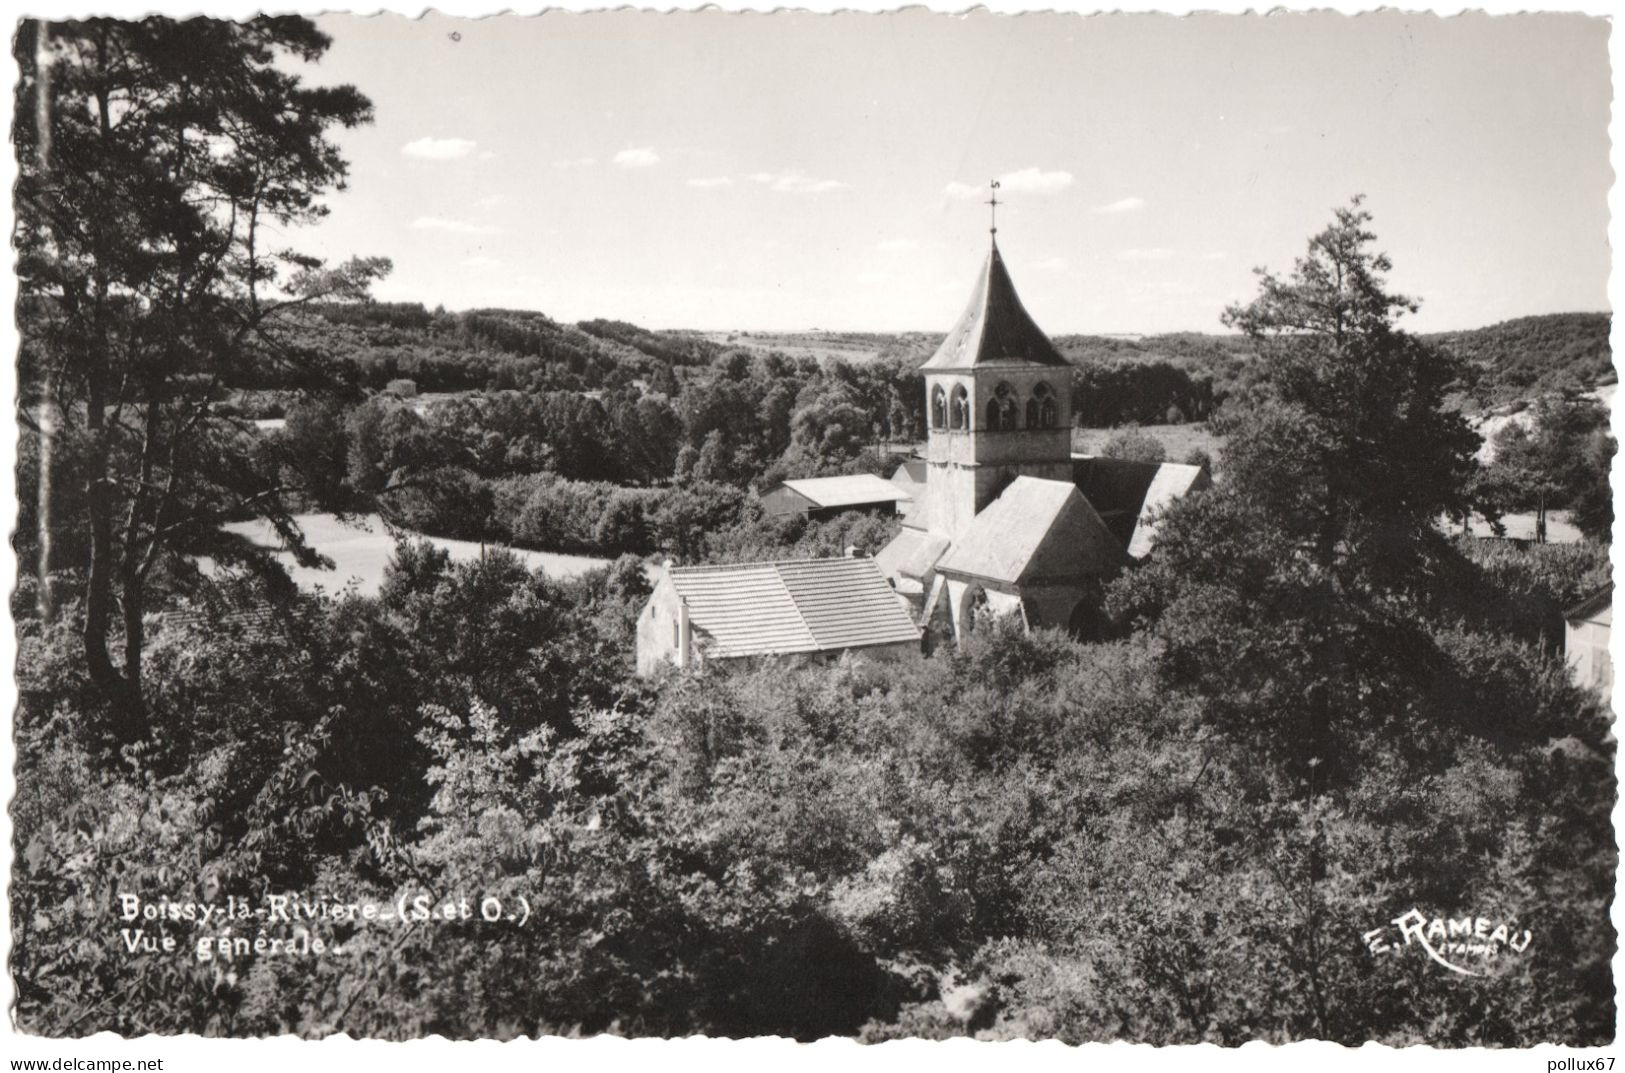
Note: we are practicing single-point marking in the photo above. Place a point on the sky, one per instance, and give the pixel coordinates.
(791, 172)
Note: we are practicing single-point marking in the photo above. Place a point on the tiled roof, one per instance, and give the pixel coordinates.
(256, 621)
(1126, 493)
(1036, 528)
(850, 491)
(916, 511)
(912, 553)
(910, 475)
(1603, 597)
(995, 328)
(809, 605)
(1172, 481)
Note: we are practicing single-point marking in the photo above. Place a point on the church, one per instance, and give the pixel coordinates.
(1009, 520)
(1001, 518)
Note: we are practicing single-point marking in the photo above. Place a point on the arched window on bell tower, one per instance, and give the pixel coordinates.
(939, 408)
(1001, 409)
(1041, 408)
(959, 408)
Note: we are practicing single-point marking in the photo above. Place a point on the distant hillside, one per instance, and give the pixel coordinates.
(1530, 355)
(850, 347)
(376, 342)
(678, 348)
(1184, 349)
(1185, 371)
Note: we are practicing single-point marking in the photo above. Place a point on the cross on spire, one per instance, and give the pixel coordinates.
(993, 203)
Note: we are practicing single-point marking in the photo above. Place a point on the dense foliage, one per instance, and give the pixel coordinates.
(964, 844)
(1518, 359)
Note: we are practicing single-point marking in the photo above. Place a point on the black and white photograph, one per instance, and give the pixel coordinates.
(911, 525)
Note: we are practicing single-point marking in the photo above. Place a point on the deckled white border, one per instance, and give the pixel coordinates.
(608, 1055)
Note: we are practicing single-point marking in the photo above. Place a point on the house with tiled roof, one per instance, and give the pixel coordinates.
(808, 608)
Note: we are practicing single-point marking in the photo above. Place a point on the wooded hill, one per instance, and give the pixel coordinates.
(502, 348)
(1507, 362)
(1528, 356)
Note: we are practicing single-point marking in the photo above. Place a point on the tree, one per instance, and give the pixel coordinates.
(1559, 459)
(828, 431)
(1289, 590)
(318, 445)
(1132, 443)
(1298, 604)
(1354, 452)
(156, 158)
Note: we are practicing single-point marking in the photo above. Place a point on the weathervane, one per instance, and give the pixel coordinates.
(993, 201)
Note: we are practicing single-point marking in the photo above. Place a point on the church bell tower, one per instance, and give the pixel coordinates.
(999, 403)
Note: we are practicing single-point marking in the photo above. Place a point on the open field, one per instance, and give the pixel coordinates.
(1177, 440)
(361, 547)
(852, 347)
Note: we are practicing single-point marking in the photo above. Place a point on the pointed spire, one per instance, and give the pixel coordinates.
(995, 328)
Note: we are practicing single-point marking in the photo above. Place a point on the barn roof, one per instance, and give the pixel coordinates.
(1036, 528)
(781, 608)
(855, 490)
(995, 328)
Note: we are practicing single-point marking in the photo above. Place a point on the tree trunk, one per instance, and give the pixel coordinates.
(134, 635)
(113, 685)
(45, 598)
(121, 692)
(48, 414)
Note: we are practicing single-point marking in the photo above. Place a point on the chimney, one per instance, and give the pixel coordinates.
(852, 552)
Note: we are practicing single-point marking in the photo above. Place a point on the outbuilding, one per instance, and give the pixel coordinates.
(822, 497)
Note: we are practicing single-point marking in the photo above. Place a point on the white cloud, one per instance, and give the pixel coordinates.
(1127, 204)
(644, 157)
(711, 182)
(896, 245)
(1025, 181)
(1156, 253)
(1052, 264)
(793, 182)
(1034, 181)
(577, 162)
(491, 201)
(438, 148)
(454, 227)
(1216, 255)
